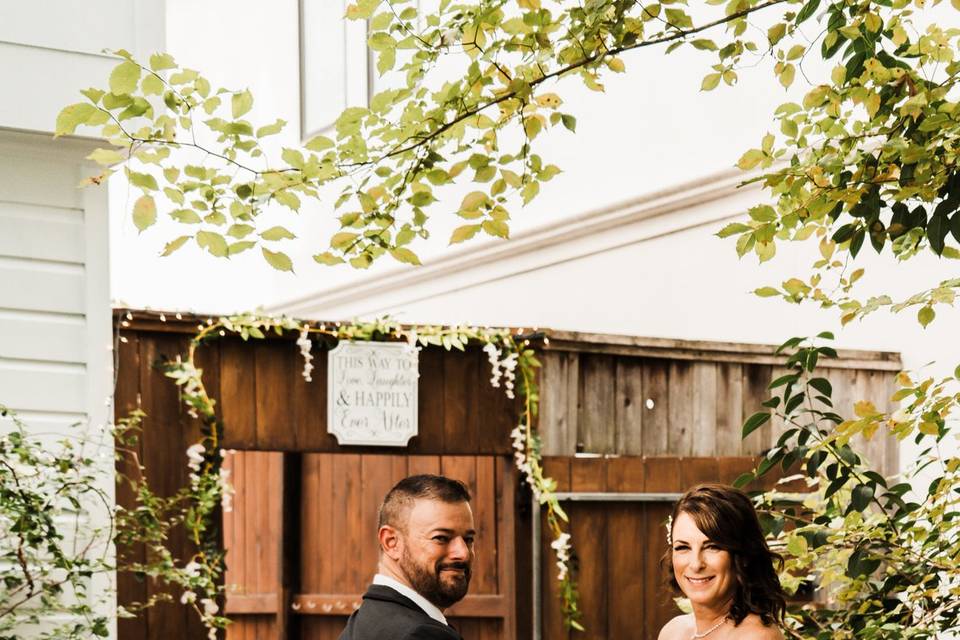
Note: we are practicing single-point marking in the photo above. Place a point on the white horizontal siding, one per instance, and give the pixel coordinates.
(38, 181)
(29, 385)
(42, 336)
(31, 285)
(84, 27)
(46, 233)
(44, 81)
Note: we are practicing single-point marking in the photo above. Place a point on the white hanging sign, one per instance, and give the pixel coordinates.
(372, 393)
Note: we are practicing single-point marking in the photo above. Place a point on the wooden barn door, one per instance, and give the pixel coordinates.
(618, 544)
(300, 557)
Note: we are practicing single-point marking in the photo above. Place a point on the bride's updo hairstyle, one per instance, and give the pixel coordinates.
(726, 516)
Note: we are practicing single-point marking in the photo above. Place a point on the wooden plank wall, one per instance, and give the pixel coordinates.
(618, 545)
(334, 544)
(621, 404)
(265, 403)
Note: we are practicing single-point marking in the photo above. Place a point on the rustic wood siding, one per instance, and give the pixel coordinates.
(615, 403)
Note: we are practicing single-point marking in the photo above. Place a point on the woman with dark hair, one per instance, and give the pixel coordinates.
(720, 561)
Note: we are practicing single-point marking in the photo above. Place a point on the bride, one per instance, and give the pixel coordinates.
(722, 564)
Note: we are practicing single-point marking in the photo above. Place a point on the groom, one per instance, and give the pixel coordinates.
(426, 549)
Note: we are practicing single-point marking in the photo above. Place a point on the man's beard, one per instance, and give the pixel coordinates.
(427, 581)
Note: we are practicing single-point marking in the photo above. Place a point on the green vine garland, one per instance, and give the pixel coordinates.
(513, 366)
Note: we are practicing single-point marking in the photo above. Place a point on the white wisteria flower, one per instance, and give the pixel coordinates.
(303, 341)
(195, 456)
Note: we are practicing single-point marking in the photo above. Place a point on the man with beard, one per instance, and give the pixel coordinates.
(426, 550)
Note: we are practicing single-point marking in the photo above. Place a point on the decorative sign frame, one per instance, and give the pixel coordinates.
(372, 390)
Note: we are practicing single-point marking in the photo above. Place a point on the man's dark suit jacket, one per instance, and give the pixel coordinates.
(388, 615)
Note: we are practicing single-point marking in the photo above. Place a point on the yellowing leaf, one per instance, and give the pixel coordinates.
(473, 201)
(750, 159)
(241, 103)
(402, 254)
(864, 409)
(710, 82)
(319, 143)
(144, 212)
(124, 77)
(274, 234)
(105, 156)
(212, 242)
(173, 245)
(616, 65)
(277, 259)
(328, 258)
(161, 61)
(467, 231)
(549, 100)
(73, 116)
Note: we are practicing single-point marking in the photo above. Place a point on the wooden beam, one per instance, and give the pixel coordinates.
(251, 603)
(331, 604)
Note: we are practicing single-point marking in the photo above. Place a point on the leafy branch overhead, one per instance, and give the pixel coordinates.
(877, 138)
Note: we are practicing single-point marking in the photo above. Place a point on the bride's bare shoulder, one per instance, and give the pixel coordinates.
(752, 628)
(679, 628)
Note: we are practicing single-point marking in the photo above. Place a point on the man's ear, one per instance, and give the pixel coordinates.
(391, 543)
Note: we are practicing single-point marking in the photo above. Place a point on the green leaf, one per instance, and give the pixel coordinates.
(124, 77)
(161, 61)
(278, 260)
(152, 85)
(106, 156)
(173, 245)
(72, 116)
(750, 159)
(240, 103)
(381, 41)
(274, 234)
(710, 82)
(569, 122)
(143, 180)
(473, 201)
(461, 234)
(144, 212)
(185, 216)
(807, 11)
(319, 143)
(271, 129)
(754, 422)
(239, 231)
(342, 240)
(731, 229)
(496, 228)
(861, 496)
(213, 242)
(767, 292)
(328, 258)
(240, 247)
(402, 254)
(926, 315)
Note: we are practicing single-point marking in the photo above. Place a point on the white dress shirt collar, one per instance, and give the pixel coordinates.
(428, 607)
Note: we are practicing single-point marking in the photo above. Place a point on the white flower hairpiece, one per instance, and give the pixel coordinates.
(669, 530)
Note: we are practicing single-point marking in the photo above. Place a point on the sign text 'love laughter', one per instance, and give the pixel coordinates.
(372, 393)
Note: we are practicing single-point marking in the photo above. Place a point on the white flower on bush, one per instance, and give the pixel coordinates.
(192, 569)
(501, 367)
(188, 597)
(195, 456)
(210, 607)
(561, 546)
(305, 345)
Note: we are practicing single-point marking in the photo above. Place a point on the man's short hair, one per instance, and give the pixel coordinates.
(420, 487)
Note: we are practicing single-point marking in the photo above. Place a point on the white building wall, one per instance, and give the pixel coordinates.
(55, 327)
(55, 320)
